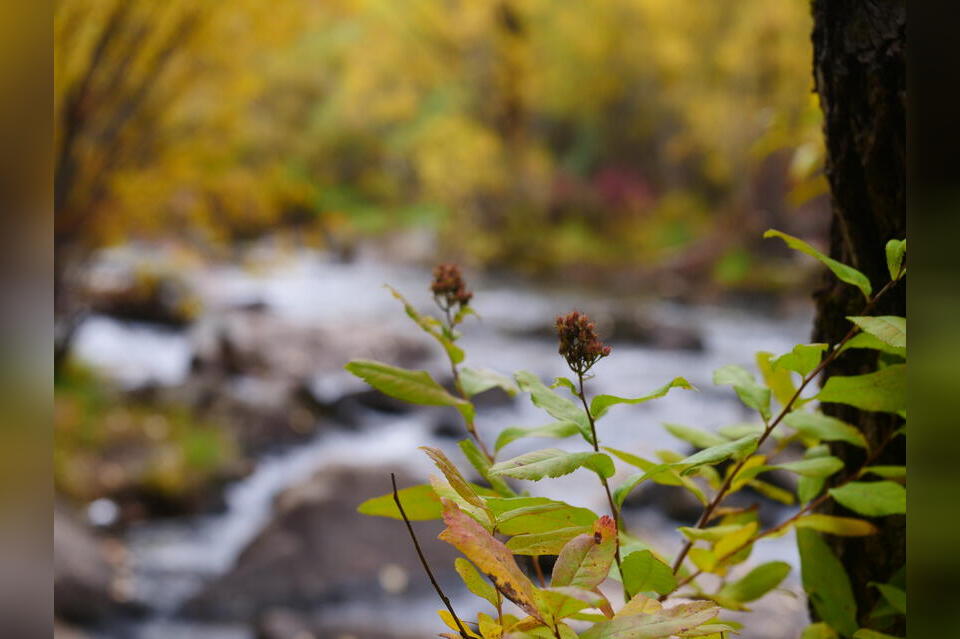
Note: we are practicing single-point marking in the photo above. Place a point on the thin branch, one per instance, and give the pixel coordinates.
(471, 427)
(606, 486)
(725, 487)
(423, 561)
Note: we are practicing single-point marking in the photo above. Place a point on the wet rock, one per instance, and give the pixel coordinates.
(282, 623)
(142, 291)
(85, 582)
(318, 550)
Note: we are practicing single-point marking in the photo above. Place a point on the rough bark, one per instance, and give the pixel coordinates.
(860, 71)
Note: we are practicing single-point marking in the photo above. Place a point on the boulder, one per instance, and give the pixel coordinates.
(318, 550)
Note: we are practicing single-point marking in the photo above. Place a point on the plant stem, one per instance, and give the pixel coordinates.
(471, 428)
(423, 560)
(603, 480)
(768, 430)
(785, 524)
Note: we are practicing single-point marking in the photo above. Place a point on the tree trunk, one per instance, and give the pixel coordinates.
(860, 72)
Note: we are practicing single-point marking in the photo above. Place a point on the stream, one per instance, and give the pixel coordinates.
(172, 559)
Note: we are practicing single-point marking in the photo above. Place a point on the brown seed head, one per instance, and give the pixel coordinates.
(579, 343)
(448, 287)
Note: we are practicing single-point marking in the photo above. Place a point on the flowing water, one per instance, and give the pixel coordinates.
(172, 559)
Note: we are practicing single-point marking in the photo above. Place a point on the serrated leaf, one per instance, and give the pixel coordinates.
(696, 436)
(866, 340)
(873, 499)
(748, 390)
(475, 582)
(757, 582)
(560, 408)
(778, 379)
(802, 359)
(416, 387)
(431, 326)
(586, 559)
(895, 250)
(843, 272)
(815, 467)
(889, 329)
(543, 516)
(553, 462)
(419, 502)
(884, 390)
(841, 526)
(559, 430)
(643, 572)
(822, 427)
(667, 622)
(455, 479)
(477, 380)
(490, 556)
(480, 462)
(737, 449)
(602, 403)
(826, 583)
(545, 543)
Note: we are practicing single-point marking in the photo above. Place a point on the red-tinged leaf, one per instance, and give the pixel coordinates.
(585, 560)
(489, 555)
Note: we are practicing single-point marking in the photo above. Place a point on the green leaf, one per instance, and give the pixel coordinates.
(667, 622)
(873, 499)
(819, 631)
(843, 272)
(560, 430)
(772, 492)
(742, 429)
(865, 633)
(826, 583)
(419, 502)
(716, 454)
(545, 543)
(896, 597)
(668, 478)
(748, 390)
(553, 462)
(585, 560)
(478, 380)
(884, 390)
(475, 582)
(888, 472)
(809, 487)
(757, 582)
(566, 382)
(697, 437)
(815, 467)
(889, 329)
(479, 461)
(416, 387)
(866, 340)
(643, 572)
(730, 544)
(824, 428)
(895, 250)
(802, 359)
(541, 517)
(564, 601)
(602, 403)
(431, 326)
(778, 379)
(841, 526)
(714, 533)
(560, 408)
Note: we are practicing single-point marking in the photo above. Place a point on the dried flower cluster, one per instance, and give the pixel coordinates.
(579, 343)
(448, 287)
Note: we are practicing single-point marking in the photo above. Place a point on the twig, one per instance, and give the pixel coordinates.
(826, 361)
(423, 560)
(606, 486)
(471, 427)
(809, 507)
